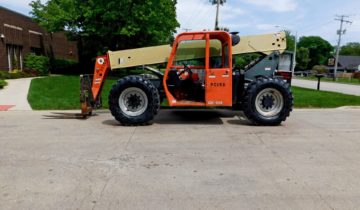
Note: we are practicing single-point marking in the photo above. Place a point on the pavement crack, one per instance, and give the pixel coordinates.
(293, 170)
(275, 154)
(128, 142)
(102, 192)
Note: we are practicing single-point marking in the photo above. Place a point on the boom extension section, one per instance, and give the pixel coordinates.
(265, 43)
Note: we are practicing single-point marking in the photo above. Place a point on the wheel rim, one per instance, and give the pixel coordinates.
(133, 101)
(269, 102)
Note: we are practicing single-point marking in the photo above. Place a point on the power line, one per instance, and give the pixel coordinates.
(340, 32)
(311, 27)
(190, 17)
(199, 17)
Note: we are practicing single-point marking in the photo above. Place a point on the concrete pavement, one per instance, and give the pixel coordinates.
(188, 159)
(328, 86)
(14, 95)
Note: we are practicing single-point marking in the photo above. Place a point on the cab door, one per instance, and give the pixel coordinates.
(218, 79)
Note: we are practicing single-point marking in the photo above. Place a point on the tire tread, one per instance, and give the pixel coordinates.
(251, 91)
(147, 87)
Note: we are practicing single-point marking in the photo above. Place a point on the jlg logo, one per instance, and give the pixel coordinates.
(217, 84)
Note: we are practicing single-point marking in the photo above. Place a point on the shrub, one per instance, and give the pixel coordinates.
(320, 69)
(62, 66)
(38, 63)
(15, 74)
(357, 75)
(2, 83)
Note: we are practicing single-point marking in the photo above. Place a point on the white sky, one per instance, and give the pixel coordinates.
(306, 17)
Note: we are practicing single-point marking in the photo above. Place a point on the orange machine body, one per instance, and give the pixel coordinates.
(101, 70)
(217, 81)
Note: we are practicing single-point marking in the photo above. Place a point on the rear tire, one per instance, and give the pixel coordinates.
(134, 100)
(268, 101)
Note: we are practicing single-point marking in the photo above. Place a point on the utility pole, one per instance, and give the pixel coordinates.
(217, 2)
(294, 55)
(340, 32)
(186, 29)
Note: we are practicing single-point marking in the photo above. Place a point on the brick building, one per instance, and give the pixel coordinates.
(20, 35)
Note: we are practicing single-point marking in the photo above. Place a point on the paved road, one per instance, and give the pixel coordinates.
(328, 86)
(14, 95)
(185, 160)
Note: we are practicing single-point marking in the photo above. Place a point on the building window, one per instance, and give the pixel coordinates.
(15, 57)
(37, 50)
(13, 34)
(36, 40)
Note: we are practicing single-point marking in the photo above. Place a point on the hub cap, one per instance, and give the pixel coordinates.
(269, 102)
(133, 101)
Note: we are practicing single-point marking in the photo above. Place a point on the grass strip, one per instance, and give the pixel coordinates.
(62, 92)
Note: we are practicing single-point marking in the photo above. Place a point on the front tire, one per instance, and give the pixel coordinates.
(134, 100)
(268, 101)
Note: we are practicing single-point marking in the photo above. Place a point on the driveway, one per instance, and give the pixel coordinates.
(328, 86)
(188, 159)
(14, 95)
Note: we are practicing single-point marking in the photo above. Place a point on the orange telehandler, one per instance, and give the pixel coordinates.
(199, 73)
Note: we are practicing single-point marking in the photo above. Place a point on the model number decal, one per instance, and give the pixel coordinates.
(217, 84)
(216, 102)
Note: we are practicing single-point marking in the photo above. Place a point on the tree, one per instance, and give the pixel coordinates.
(352, 48)
(290, 41)
(302, 58)
(319, 49)
(241, 61)
(109, 25)
(320, 69)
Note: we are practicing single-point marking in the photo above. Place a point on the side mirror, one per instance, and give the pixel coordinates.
(235, 38)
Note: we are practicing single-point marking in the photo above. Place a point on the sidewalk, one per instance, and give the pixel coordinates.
(14, 95)
(328, 86)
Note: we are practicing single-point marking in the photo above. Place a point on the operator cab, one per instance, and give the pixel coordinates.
(199, 70)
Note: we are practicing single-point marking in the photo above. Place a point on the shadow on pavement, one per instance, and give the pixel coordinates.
(65, 115)
(240, 121)
(193, 116)
(204, 117)
(201, 117)
(114, 122)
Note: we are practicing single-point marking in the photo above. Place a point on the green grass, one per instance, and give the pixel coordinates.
(62, 92)
(3, 83)
(308, 98)
(354, 81)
